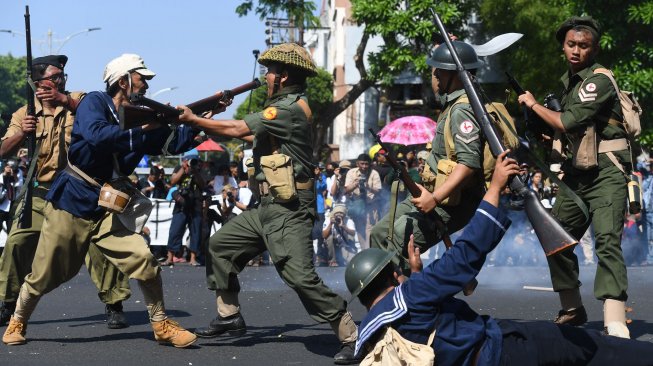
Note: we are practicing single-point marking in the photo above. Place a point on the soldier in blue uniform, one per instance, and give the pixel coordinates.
(425, 303)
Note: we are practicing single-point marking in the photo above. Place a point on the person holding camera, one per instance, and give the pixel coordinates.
(231, 204)
(187, 211)
(338, 232)
(362, 184)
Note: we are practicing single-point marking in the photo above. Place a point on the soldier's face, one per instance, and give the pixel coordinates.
(270, 75)
(579, 49)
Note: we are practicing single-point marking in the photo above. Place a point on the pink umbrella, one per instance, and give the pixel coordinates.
(409, 130)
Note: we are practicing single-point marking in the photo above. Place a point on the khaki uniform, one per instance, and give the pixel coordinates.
(468, 150)
(284, 229)
(587, 99)
(16, 261)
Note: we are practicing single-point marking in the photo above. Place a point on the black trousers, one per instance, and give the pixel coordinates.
(545, 343)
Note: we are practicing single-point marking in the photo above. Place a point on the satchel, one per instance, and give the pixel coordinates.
(279, 174)
(445, 168)
(394, 350)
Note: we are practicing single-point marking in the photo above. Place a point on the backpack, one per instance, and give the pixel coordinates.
(394, 350)
(629, 107)
(503, 125)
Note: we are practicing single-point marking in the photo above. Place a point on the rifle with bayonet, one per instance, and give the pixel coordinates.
(25, 214)
(549, 231)
(414, 191)
(144, 110)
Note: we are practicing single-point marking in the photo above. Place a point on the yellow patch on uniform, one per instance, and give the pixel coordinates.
(270, 113)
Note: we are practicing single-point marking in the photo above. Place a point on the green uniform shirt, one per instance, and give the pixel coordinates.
(285, 121)
(465, 131)
(590, 98)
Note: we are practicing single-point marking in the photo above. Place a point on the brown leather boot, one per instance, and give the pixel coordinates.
(169, 331)
(15, 333)
(574, 317)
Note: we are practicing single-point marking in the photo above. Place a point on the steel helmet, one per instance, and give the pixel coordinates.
(364, 267)
(442, 59)
(290, 54)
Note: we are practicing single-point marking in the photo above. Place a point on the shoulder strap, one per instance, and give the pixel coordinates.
(448, 137)
(608, 73)
(306, 109)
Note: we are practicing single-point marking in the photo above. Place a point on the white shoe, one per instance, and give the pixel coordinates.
(617, 329)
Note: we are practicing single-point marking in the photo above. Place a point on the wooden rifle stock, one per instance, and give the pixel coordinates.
(144, 110)
(549, 231)
(25, 214)
(414, 190)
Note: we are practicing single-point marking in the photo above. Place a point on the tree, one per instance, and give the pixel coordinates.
(626, 43)
(12, 83)
(408, 33)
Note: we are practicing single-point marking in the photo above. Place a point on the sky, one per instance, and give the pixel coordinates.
(197, 46)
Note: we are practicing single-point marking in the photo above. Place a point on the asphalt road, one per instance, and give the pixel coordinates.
(68, 326)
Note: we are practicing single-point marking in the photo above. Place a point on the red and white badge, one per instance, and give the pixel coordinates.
(466, 127)
(590, 87)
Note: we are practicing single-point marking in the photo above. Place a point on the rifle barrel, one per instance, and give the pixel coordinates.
(25, 216)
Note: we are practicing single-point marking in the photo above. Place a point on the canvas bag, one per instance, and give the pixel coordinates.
(394, 350)
(629, 106)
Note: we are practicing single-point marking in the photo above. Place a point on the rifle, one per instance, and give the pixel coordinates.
(414, 190)
(549, 231)
(25, 214)
(534, 125)
(144, 110)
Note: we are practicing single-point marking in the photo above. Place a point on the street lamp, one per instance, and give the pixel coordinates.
(49, 38)
(162, 91)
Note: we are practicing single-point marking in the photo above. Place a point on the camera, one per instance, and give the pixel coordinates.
(551, 102)
(361, 182)
(338, 220)
(194, 163)
(230, 195)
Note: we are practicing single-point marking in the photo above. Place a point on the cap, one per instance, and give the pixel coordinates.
(190, 154)
(345, 164)
(585, 23)
(523, 165)
(54, 60)
(321, 165)
(339, 208)
(423, 154)
(123, 65)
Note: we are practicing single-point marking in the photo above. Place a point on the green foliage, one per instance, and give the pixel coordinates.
(537, 62)
(12, 83)
(319, 91)
(408, 32)
(258, 97)
(299, 10)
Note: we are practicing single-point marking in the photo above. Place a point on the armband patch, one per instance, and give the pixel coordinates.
(270, 113)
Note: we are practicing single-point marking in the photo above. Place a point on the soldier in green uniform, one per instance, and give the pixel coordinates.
(281, 134)
(464, 148)
(596, 171)
(55, 112)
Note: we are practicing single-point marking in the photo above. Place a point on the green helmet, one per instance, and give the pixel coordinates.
(364, 267)
(441, 57)
(290, 54)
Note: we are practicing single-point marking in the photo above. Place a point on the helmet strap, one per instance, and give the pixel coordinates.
(277, 83)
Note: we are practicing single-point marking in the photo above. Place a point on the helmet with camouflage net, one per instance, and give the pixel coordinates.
(290, 54)
(442, 59)
(364, 267)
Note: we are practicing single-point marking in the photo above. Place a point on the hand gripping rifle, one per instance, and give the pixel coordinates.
(414, 190)
(25, 214)
(550, 233)
(144, 110)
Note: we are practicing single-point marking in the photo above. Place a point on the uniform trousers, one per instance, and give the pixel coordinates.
(545, 343)
(604, 192)
(65, 240)
(18, 255)
(284, 229)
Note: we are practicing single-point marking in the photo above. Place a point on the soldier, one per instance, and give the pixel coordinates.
(72, 217)
(422, 310)
(55, 110)
(281, 134)
(590, 106)
(466, 180)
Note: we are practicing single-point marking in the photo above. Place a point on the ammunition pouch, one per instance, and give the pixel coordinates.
(584, 149)
(428, 178)
(280, 176)
(445, 168)
(129, 204)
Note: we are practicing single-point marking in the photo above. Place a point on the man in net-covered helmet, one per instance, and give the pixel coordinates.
(280, 224)
(464, 147)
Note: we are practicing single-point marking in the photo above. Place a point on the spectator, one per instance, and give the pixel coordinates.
(187, 211)
(233, 171)
(223, 178)
(338, 233)
(330, 181)
(362, 184)
(536, 185)
(153, 185)
(320, 197)
(230, 203)
(337, 189)
(7, 194)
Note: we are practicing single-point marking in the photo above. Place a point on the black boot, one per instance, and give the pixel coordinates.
(346, 355)
(115, 317)
(234, 324)
(6, 311)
